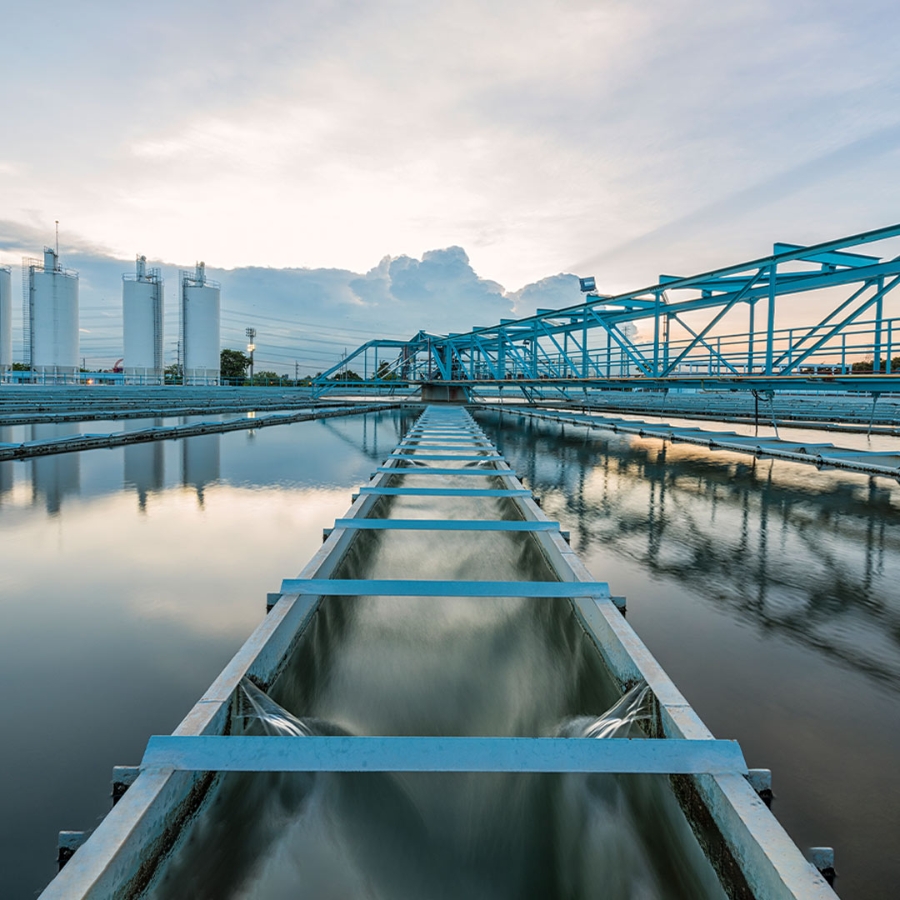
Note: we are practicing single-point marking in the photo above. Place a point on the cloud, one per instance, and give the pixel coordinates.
(533, 134)
(553, 292)
(810, 173)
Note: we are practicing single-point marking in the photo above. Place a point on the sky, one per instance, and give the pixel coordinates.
(402, 165)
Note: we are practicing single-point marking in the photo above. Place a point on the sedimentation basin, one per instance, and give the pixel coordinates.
(510, 658)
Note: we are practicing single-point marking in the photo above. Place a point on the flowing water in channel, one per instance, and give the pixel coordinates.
(441, 666)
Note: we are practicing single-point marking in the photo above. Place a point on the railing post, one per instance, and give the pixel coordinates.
(666, 343)
(656, 334)
(879, 311)
(890, 342)
(770, 324)
(750, 337)
(585, 368)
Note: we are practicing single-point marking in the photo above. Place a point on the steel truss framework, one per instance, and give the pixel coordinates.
(596, 341)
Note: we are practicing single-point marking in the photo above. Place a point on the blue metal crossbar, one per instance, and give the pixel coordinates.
(445, 492)
(428, 470)
(215, 753)
(460, 457)
(444, 441)
(455, 437)
(445, 525)
(352, 587)
(437, 447)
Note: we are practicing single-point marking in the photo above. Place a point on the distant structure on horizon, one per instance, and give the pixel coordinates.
(6, 359)
(200, 327)
(50, 319)
(142, 316)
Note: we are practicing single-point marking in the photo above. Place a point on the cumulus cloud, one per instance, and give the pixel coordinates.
(553, 292)
(442, 290)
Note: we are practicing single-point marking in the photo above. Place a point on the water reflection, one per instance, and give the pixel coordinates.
(6, 468)
(200, 457)
(145, 464)
(371, 446)
(139, 610)
(811, 555)
(54, 477)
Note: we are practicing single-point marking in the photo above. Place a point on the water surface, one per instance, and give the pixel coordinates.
(128, 578)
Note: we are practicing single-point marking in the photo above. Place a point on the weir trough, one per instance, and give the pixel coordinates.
(76, 442)
(823, 456)
(180, 774)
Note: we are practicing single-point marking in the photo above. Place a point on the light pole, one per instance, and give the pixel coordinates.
(251, 335)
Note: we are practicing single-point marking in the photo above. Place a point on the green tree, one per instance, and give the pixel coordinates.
(233, 365)
(384, 371)
(865, 366)
(268, 378)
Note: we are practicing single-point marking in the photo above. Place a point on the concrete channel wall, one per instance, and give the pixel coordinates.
(75, 442)
(821, 455)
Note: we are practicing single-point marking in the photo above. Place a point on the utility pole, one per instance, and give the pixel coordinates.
(251, 336)
(296, 372)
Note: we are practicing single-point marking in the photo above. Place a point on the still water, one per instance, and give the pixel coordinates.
(128, 578)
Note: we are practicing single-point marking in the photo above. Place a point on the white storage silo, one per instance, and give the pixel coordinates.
(51, 326)
(142, 314)
(200, 327)
(6, 359)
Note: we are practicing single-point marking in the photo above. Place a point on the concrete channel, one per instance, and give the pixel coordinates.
(75, 442)
(821, 455)
(181, 774)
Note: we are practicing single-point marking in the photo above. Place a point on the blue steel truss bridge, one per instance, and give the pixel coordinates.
(729, 329)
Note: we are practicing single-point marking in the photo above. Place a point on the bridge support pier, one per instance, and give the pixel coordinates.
(441, 392)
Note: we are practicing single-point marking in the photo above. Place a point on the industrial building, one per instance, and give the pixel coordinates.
(50, 319)
(200, 326)
(142, 315)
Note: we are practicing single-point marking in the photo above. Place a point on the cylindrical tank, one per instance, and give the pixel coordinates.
(200, 327)
(6, 359)
(142, 313)
(53, 313)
